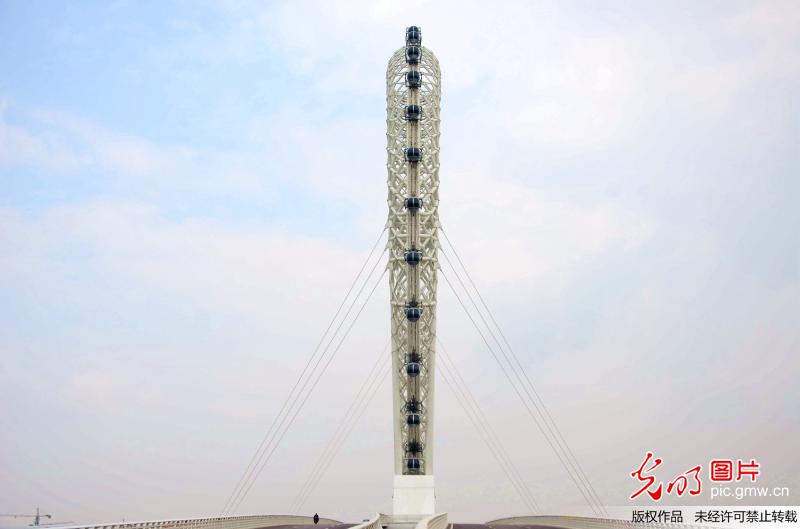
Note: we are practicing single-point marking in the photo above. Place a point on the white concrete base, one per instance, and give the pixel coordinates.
(413, 496)
(402, 521)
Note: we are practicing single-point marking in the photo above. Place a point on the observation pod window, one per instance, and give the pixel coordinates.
(413, 257)
(413, 204)
(413, 54)
(413, 419)
(413, 112)
(413, 313)
(413, 369)
(414, 465)
(413, 36)
(413, 79)
(413, 154)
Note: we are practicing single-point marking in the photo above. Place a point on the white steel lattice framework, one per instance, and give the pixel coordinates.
(412, 105)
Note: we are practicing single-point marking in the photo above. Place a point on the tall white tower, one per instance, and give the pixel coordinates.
(412, 106)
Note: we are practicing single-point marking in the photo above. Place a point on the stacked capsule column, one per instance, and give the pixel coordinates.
(413, 450)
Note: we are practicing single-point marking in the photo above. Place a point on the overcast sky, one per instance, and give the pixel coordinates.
(188, 189)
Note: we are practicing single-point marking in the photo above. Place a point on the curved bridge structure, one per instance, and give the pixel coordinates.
(260, 521)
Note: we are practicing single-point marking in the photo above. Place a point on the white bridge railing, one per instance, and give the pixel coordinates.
(372, 523)
(226, 522)
(437, 521)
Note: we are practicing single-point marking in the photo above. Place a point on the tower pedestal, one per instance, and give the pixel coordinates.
(413, 496)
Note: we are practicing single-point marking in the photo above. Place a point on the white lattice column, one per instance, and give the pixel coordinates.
(412, 97)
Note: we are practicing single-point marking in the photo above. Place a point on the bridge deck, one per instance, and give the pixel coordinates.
(320, 525)
(485, 526)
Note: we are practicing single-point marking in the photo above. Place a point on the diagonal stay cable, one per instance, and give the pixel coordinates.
(539, 419)
(272, 445)
(520, 395)
(549, 418)
(282, 418)
(269, 431)
(469, 413)
(325, 351)
(305, 399)
(364, 404)
(307, 395)
(339, 428)
(343, 422)
(482, 425)
(384, 371)
(522, 384)
(546, 415)
(451, 365)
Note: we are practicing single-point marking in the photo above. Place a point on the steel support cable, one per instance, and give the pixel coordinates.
(305, 399)
(254, 475)
(263, 463)
(470, 406)
(331, 442)
(302, 374)
(325, 350)
(558, 435)
(343, 422)
(519, 394)
(521, 381)
(493, 434)
(557, 431)
(475, 423)
(364, 404)
(593, 501)
(374, 390)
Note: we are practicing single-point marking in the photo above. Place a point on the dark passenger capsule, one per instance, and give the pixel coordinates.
(414, 447)
(413, 257)
(412, 369)
(413, 464)
(413, 54)
(413, 419)
(413, 313)
(413, 79)
(413, 203)
(413, 36)
(413, 112)
(413, 154)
